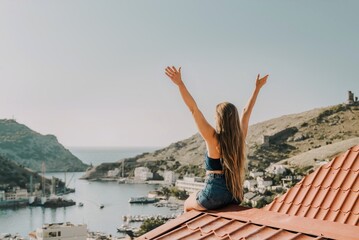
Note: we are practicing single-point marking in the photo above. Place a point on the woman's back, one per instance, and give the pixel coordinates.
(225, 162)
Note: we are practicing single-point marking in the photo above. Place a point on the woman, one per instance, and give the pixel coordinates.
(225, 157)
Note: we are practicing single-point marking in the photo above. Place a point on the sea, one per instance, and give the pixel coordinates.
(112, 195)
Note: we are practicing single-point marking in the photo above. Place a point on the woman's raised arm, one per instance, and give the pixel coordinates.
(249, 107)
(204, 128)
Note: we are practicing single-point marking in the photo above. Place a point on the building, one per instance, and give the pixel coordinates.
(276, 169)
(169, 177)
(351, 100)
(143, 173)
(190, 184)
(113, 173)
(256, 200)
(256, 174)
(2, 196)
(324, 205)
(288, 180)
(264, 182)
(16, 194)
(250, 184)
(60, 231)
(247, 197)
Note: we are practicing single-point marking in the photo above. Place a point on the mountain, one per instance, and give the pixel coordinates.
(327, 130)
(29, 149)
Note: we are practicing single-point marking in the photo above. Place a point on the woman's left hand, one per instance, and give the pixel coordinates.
(174, 75)
(261, 81)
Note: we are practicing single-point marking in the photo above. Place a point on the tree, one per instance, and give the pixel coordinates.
(150, 224)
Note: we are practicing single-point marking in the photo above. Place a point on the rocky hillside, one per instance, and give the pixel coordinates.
(13, 175)
(29, 149)
(331, 129)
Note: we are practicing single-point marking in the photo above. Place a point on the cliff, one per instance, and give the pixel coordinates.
(29, 149)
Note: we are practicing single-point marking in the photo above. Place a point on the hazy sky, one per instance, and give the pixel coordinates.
(92, 72)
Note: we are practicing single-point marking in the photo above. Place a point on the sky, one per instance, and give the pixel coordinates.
(92, 72)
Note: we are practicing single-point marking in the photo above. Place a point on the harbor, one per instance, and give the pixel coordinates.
(113, 196)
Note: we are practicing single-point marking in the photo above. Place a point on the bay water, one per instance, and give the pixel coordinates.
(112, 195)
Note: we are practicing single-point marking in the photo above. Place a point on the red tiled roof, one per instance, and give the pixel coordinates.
(331, 193)
(235, 222)
(324, 205)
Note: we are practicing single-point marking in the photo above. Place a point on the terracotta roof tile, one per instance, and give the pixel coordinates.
(330, 193)
(323, 205)
(236, 222)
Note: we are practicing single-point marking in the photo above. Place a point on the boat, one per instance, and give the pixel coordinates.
(142, 200)
(58, 202)
(102, 206)
(122, 180)
(126, 228)
(81, 204)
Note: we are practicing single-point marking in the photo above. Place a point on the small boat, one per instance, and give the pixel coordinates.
(81, 204)
(142, 200)
(122, 180)
(102, 206)
(125, 229)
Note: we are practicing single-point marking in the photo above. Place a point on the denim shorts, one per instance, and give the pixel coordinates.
(215, 193)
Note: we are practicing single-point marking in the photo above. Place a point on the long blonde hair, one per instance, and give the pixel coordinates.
(232, 147)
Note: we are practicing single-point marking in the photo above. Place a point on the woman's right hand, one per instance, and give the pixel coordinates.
(174, 75)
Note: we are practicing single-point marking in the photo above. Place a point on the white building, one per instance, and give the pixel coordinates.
(256, 199)
(143, 173)
(256, 174)
(21, 194)
(113, 173)
(60, 231)
(16, 194)
(247, 197)
(250, 184)
(288, 180)
(276, 169)
(264, 182)
(169, 177)
(190, 184)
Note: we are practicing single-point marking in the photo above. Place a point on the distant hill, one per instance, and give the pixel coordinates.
(271, 141)
(29, 149)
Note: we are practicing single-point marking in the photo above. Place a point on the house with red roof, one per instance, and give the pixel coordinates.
(323, 205)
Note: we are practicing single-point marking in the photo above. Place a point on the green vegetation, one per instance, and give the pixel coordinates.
(150, 224)
(302, 171)
(196, 170)
(14, 175)
(175, 192)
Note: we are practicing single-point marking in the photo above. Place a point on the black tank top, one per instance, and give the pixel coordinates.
(213, 164)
